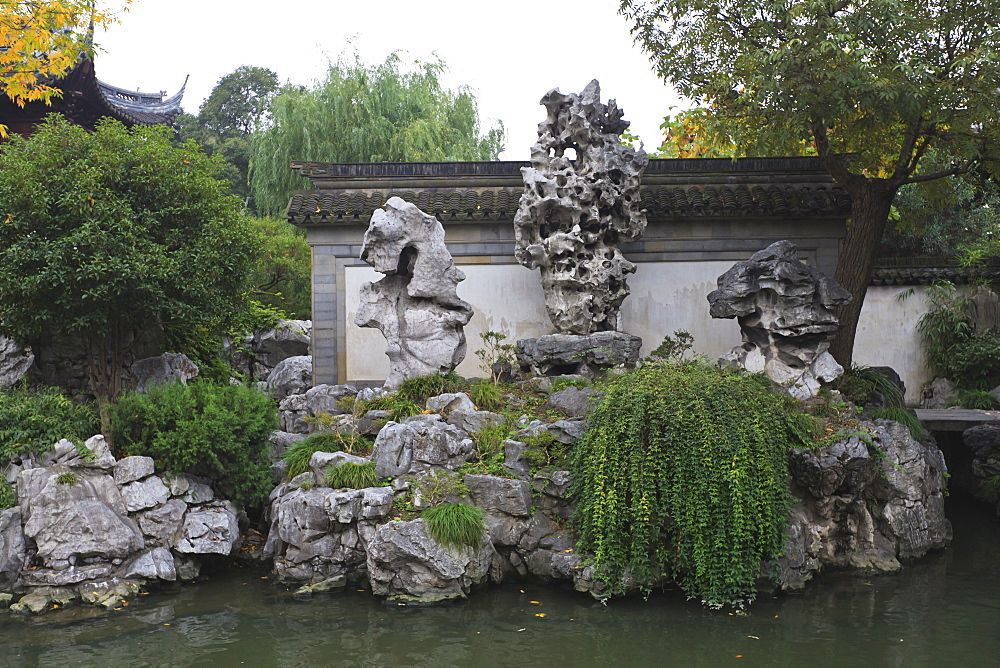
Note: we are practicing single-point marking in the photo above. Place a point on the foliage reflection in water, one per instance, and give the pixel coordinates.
(945, 609)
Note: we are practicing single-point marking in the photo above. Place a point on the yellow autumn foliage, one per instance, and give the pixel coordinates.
(42, 40)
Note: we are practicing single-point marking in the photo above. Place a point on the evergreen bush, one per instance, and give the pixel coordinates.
(219, 432)
(33, 421)
(683, 471)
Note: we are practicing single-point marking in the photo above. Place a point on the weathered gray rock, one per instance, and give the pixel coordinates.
(130, 469)
(420, 443)
(856, 511)
(406, 565)
(210, 529)
(198, 492)
(499, 495)
(446, 403)
(573, 401)
(784, 309)
(577, 208)
(144, 494)
(15, 361)
(321, 461)
(327, 399)
(163, 523)
(281, 441)
(288, 338)
(161, 369)
(84, 519)
(12, 547)
(416, 305)
(561, 354)
(472, 421)
(940, 393)
(95, 454)
(157, 563)
(291, 376)
(321, 534)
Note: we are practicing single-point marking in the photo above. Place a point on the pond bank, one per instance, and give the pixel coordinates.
(942, 609)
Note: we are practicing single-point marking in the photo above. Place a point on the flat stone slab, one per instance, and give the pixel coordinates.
(955, 419)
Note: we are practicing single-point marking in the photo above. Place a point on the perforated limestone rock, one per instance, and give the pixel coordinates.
(580, 200)
(416, 305)
(784, 309)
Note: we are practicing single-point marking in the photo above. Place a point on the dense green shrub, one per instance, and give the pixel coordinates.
(8, 498)
(220, 433)
(352, 476)
(33, 421)
(456, 525)
(970, 358)
(683, 470)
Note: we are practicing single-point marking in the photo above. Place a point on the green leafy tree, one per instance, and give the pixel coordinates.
(363, 113)
(105, 234)
(871, 86)
(235, 110)
(282, 274)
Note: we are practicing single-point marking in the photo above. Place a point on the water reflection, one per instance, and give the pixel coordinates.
(942, 610)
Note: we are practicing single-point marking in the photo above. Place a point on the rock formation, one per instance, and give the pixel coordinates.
(784, 310)
(856, 511)
(95, 528)
(416, 305)
(577, 208)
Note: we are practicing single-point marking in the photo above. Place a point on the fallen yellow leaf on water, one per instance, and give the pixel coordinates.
(539, 614)
(535, 602)
(754, 637)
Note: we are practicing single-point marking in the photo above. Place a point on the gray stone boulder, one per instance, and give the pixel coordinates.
(209, 529)
(586, 356)
(12, 547)
(320, 462)
(574, 401)
(472, 421)
(416, 305)
(939, 393)
(420, 443)
(288, 338)
(291, 376)
(85, 518)
(446, 403)
(328, 399)
(320, 534)
(406, 565)
(15, 361)
(863, 512)
(576, 209)
(161, 369)
(785, 312)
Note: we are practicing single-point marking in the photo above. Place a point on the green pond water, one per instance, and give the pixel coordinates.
(943, 610)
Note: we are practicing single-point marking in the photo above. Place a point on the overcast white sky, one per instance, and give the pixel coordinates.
(511, 52)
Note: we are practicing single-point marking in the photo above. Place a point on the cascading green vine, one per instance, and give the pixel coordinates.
(683, 474)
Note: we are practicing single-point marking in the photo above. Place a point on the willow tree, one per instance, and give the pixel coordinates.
(870, 86)
(363, 113)
(40, 41)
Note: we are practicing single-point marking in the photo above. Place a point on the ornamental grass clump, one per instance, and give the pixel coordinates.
(296, 457)
(352, 476)
(683, 473)
(456, 525)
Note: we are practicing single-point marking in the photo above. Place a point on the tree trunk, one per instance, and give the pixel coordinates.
(871, 201)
